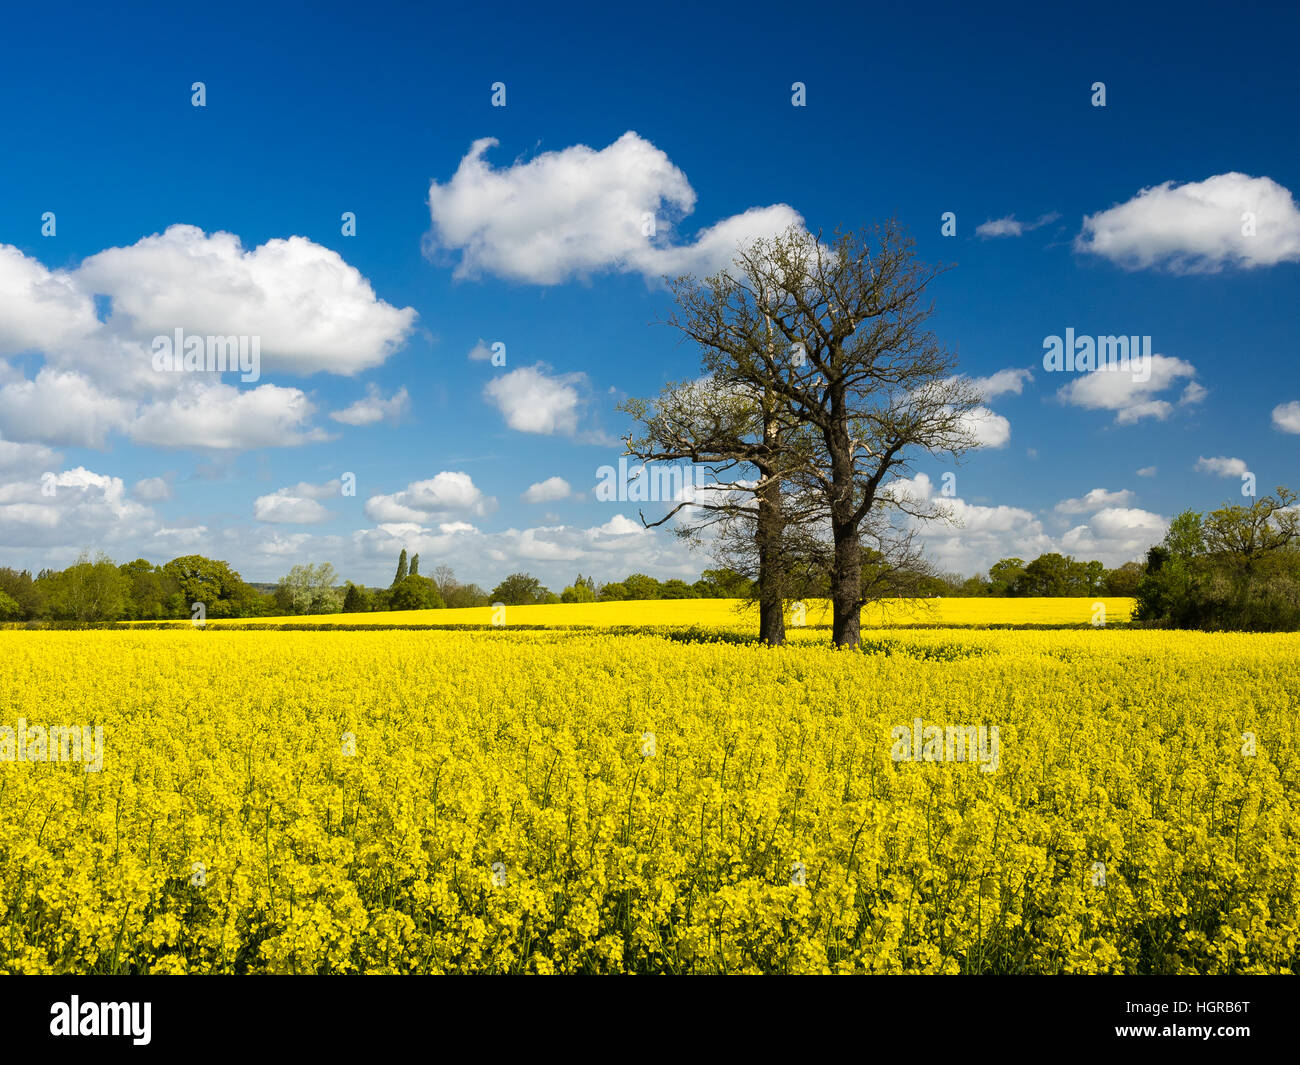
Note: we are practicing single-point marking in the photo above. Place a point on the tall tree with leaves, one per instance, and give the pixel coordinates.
(401, 569)
(309, 589)
(212, 582)
(90, 590)
(520, 589)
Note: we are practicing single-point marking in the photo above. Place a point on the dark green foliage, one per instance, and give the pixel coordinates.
(582, 590)
(414, 592)
(356, 600)
(521, 589)
(1237, 568)
(219, 588)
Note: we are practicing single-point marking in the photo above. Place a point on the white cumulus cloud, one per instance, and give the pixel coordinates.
(221, 417)
(534, 401)
(547, 491)
(40, 308)
(444, 496)
(1198, 227)
(1097, 499)
(1222, 466)
(582, 211)
(986, 428)
(311, 310)
(71, 508)
(1009, 381)
(296, 505)
(1286, 416)
(1119, 390)
(1115, 535)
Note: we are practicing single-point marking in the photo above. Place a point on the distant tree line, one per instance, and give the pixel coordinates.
(523, 589)
(1236, 568)
(713, 584)
(1050, 575)
(96, 589)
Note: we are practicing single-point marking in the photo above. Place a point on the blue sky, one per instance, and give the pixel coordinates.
(534, 242)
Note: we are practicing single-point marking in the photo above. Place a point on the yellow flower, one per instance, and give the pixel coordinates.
(499, 809)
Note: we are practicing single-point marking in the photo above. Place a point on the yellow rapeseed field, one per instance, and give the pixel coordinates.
(734, 614)
(567, 801)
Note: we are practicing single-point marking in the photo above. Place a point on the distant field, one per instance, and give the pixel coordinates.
(731, 613)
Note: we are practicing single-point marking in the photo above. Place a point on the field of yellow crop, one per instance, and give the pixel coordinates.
(735, 614)
(566, 801)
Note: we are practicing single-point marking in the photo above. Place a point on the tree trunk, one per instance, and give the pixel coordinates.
(846, 586)
(771, 620)
(846, 573)
(771, 578)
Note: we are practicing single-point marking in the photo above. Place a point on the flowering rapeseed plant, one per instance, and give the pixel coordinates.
(496, 801)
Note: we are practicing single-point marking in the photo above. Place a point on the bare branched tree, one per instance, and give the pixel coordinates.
(750, 446)
(836, 335)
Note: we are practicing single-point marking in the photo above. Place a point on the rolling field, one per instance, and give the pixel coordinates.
(531, 801)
